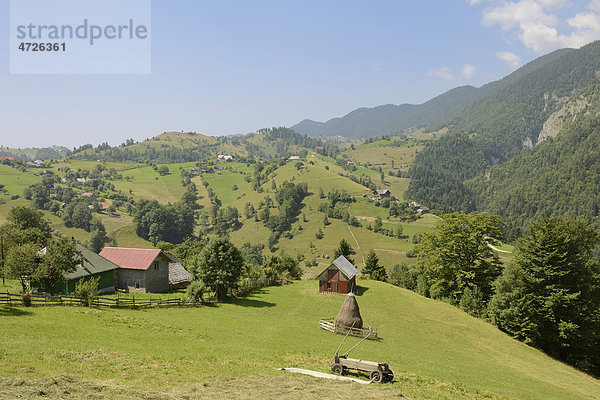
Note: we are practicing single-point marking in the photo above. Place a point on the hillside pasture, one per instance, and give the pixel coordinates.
(435, 350)
(14, 181)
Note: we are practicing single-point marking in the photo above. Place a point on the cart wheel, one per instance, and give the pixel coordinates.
(388, 377)
(376, 376)
(337, 369)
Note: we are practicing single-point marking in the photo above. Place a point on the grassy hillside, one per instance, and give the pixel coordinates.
(435, 350)
(230, 184)
(14, 181)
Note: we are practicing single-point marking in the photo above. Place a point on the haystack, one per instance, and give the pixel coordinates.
(349, 313)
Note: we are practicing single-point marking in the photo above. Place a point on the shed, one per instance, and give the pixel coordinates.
(142, 270)
(338, 277)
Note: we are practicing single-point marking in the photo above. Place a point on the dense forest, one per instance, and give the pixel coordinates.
(492, 158)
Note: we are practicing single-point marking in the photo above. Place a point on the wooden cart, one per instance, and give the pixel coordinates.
(378, 372)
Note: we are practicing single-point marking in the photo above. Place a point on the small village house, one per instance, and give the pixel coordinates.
(381, 194)
(338, 277)
(142, 270)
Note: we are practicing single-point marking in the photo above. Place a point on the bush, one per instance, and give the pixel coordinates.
(26, 299)
(195, 291)
(87, 290)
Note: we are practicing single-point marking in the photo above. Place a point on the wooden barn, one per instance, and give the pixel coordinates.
(338, 277)
(91, 265)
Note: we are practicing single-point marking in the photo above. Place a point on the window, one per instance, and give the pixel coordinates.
(137, 285)
(156, 265)
(328, 285)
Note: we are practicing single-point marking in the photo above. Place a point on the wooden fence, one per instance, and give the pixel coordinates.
(330, 325)
(12, 299)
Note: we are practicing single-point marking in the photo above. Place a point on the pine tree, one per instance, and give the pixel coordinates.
(344, 250)
(550, 296)
(372, 268)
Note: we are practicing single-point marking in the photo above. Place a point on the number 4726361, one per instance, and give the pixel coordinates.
(42, 46)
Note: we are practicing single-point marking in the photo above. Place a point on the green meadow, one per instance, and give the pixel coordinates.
(435, 350)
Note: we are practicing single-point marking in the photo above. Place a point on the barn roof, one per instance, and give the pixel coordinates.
(345, 266)
(382, 191)
(129, 258)
(92, 263)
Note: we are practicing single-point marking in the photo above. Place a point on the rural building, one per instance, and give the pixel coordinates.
(381, 194)
(223, 157)
(294, 158)
(91, 265)
(143, 270)
(338, 277)
(103, 206)
(420, 208)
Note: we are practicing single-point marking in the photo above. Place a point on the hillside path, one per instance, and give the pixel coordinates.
(357, 245)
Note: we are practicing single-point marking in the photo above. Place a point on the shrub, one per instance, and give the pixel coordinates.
(195, 291)
(87, 290)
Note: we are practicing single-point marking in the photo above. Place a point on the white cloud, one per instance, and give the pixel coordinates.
(511, 59)
(538, 28)
(468, 71)
(444, 73)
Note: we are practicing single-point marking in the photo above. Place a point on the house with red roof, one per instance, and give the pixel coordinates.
(142, 270)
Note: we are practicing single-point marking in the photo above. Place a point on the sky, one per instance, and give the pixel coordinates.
(230, 67)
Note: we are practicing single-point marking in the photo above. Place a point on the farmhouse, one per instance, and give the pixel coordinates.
(338, 277)
(294, 158)
(143, 270)
(91, 265)
(381, 193)
(224, 157)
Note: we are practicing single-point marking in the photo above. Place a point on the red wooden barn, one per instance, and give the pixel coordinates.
(339, 277)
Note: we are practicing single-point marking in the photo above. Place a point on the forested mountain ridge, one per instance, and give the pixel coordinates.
(391, 119)
(432, 115)
(561, 176)
(494, 153)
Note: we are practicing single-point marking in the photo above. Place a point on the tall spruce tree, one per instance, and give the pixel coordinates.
(372, 268)
(550, 296)
(344, 250)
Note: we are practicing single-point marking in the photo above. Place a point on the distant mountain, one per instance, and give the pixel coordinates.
(390, 119)
(517, 150)
(432, 115)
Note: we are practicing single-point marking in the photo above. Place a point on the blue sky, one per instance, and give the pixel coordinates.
(226, 67)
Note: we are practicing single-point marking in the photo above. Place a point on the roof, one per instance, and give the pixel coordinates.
(8, 158)
(178, 274)
(382, 191)
(129, 258)
(92, 263)
(103, 205)
(345, 266)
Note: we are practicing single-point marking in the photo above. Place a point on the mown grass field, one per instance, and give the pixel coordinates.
(383, 153)
(233, 349)
(15, 181)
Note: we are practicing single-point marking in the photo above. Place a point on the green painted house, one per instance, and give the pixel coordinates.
(91, 265)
